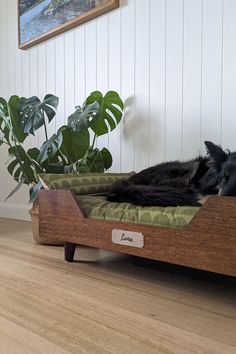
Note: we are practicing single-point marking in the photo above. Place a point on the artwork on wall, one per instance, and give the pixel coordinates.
(39, 20)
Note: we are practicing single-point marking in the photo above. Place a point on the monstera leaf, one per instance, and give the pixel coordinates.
(50, 148)
(3, 106)
(34, 190)
(80, 119)
(21, 166)
(74, 143)
(9, 119)
(33, 112)
(107, 158)
(95, 161)
(110, 111)
(68, 150)
(17, 187)
(4, 115)
(5, 124)
(17, 131)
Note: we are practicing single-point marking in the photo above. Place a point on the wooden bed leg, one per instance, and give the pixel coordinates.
(69, 249)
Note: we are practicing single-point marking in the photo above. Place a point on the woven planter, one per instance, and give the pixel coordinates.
(41, 239)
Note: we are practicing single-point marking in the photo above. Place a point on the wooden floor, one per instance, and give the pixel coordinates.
(104, 304)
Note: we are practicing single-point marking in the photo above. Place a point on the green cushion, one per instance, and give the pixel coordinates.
(86, 183)
(97, 207)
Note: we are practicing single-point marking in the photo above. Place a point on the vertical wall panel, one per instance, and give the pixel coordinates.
(102, 66)
(18, 75)
(4, 51)
(127, 89)
(33, 52)
(174, 79)
(42, 81)
(142, 76)
(172, 61)
(60, 79)
(1, 56)
(9, 79)
(211, 70)
(11, 47)
(50, 78)
(17, 54)
(157, 80)
(115, 81)
(26, 73)
(192, 75)
(80, 74)
(2, 94)
(90, 57)
(229, 75)
(69, 73)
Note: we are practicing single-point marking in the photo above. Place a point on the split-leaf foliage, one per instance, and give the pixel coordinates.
(71, 149)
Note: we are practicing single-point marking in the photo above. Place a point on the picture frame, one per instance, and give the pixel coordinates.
(39, 20)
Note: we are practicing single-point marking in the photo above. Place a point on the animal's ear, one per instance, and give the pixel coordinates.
(216, 152)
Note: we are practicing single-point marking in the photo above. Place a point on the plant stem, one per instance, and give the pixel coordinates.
(45, 130)
(94, 139)
(96, 156)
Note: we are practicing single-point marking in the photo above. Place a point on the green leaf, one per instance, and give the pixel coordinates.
(34, 191)
(107, 158)
(5, 123)
(32, 112)
(1, 138)
(50, 148)
(20, 165)
(80, 119)
(93, 162)
(74, 144)
(110, 111)
(57, 167)
(17, 187)
(11, 167)
(83, 168)
(3, 107)
(49, 106)
(33, 153)
(16, 130)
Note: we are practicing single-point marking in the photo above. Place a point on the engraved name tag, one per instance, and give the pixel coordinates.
(128, 238)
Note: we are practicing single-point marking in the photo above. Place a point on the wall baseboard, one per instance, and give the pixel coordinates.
(14, 211)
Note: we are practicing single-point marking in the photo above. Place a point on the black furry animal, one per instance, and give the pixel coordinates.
(180, 183)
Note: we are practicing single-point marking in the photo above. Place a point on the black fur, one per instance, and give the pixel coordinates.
(180, 183)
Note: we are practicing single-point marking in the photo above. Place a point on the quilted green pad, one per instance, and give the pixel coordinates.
(97, 207)
(86, 183)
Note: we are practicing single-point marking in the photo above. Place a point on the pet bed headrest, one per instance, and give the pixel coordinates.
(86, 183)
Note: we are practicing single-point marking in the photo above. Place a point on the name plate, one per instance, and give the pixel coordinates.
(128, 238)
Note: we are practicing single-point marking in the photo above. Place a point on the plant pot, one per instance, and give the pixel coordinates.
(41, 239)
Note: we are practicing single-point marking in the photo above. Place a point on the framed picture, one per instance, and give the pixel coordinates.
(39, 20)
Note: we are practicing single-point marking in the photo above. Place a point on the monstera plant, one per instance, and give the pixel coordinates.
(69, 150)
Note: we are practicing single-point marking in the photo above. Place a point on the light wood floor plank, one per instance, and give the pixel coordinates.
(104, 304)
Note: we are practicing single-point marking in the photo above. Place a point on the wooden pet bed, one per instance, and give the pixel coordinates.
(208, 242)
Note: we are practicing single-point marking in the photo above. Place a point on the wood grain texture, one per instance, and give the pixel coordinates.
(207, 243)
(104, 304)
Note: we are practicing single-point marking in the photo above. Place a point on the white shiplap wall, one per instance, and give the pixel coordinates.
(173, 61)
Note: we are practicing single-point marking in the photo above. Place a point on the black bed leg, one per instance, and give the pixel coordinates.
(69, 249)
